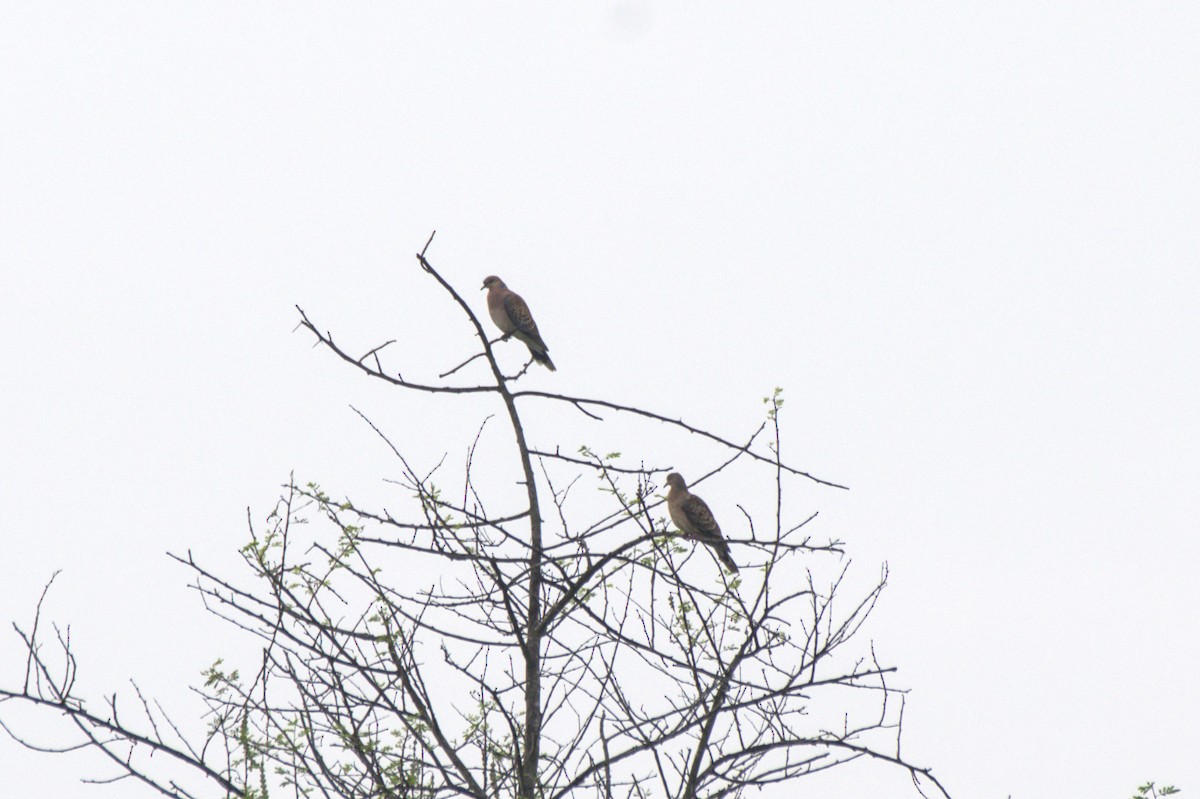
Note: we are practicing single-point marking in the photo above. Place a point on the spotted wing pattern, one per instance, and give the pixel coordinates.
(522, 319)
(707, 529)
(525, 329)
(701, 518)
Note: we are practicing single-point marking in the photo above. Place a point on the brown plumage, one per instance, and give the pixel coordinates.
(511, 315)
(692, 516)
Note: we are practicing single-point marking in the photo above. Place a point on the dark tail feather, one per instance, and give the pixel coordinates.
(723, 553)
(537, 348)
(542, 358)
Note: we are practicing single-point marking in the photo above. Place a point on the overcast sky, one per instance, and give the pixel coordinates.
(964, 240)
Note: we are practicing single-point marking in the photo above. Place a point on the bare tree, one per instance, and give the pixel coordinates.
(556, 650)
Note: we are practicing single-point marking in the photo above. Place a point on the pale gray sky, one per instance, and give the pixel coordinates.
(963, 239)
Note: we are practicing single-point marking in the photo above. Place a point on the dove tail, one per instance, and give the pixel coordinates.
(726, 558)
(537, 348)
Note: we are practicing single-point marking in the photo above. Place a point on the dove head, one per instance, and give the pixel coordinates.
(492, 280)
(675, 480)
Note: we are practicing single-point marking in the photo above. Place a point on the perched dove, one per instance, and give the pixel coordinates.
(511, 315)
(694, 518)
